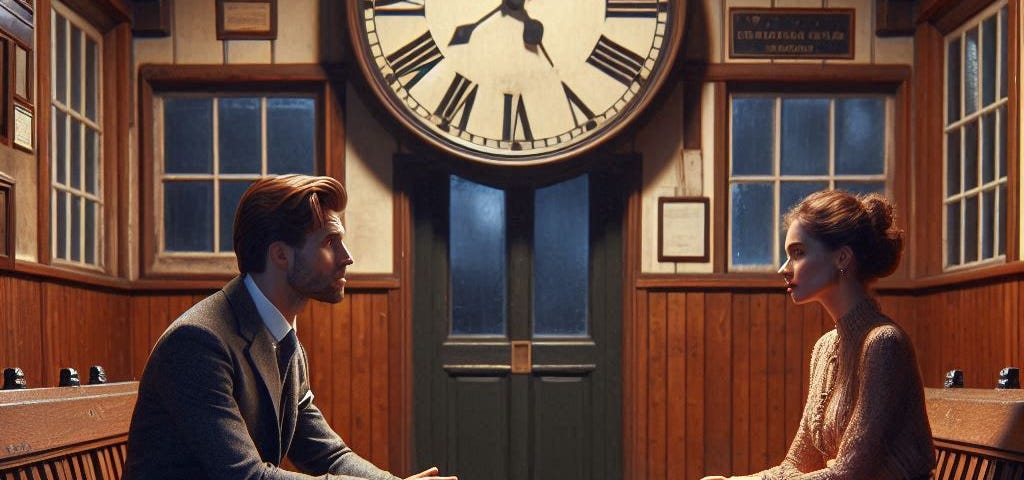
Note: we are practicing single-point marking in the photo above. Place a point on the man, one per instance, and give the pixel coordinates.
(225, 394)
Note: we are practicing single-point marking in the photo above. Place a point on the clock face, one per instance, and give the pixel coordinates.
(515, 81)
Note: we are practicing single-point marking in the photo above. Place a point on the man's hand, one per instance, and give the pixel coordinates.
(431, 474)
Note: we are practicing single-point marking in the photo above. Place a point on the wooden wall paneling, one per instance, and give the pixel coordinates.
(158, 306)
(777, 437)
(718, 399)
(315, 334)
(1012, 316)
(341, 368)
(139, 327)
(379, 379)
(695, 384)
(362, 310)
(656, 384)
(792, 378)
(399, 396)
(21, 328)
(759, 458)
(675, 445)
(1013, 147)
(640, 366)
(741, 383)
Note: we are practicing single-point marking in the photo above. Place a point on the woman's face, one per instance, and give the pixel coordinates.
(810, 269)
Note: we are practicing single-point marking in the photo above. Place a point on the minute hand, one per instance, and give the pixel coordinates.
(463, 32)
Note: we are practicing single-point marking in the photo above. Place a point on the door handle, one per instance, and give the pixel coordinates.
(522, 351)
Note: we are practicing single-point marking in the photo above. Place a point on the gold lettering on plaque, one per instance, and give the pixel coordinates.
(246, 17)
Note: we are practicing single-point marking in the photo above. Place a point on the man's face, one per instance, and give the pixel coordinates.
(318, 268)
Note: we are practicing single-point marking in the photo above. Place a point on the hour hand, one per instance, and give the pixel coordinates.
(464, 32)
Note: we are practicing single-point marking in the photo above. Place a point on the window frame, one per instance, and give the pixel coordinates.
(230, 80)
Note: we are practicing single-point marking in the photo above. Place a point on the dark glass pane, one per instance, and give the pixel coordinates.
(988, 145)
(76, 228)
(860, 135)
(861, 187)
(291, 135)
(1003, 47)
(954, 92)
(91, 78)
(561, 253)
(953, 233)
(988, 223)
(953, 162)
(971, 229)
(92, 161)
(971, 71)
(188, 135)
(60, 58)
(76, 68)
(188, 216)
(76, 154)
(239, 130)
(753, 133)
(790, 194)
(988, 61)
(60, 138)
(91, 230)
(1001, 234)
(805, 141)
(477, 258)
(230, 194)
(1001, 143)
(61, 206)
(970, 155)
(752, 224)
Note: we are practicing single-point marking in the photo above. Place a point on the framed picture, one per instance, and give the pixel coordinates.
(246, 19)
(23, 128)
(684, 229)
(7, 222)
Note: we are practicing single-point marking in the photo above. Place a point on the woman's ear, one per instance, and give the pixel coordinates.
(279, 256)
(843, 257)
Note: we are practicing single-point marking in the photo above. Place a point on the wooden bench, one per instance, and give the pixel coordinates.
(978, 433)
(65, 432)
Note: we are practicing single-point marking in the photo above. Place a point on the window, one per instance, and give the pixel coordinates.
(975, 196)
(77, 206)
(784, 147)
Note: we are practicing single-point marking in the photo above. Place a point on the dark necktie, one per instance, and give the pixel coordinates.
(285, 350)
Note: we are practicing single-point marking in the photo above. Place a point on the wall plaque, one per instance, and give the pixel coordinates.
(791, 32)
(683, 229)
(246, 19)
(22, 128)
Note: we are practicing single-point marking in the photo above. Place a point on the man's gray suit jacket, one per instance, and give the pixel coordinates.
(212, 404)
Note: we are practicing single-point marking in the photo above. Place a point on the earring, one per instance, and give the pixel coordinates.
(842, 273)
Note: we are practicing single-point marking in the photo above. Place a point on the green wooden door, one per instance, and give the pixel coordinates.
(537, 270)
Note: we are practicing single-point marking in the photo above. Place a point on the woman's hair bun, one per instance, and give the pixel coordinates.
(887, 246)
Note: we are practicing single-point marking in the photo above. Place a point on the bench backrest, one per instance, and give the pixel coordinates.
(978, 433)
(65, 432)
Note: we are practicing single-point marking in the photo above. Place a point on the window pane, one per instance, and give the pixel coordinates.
(1003, 47)
(988, 61)
(188, 216)
(561, 253)
(971, 229)
(988, 144)
(477, 258)
(76, 228)
(805, 136)
(971, 72)
(291, 135)
(76, 68)
(970, 155)
(62, 225)
(988, 223)
(752, 226)
(90, 231)
(60, 69)
(753, 130)
(862, 187)
(188, 135)
(953, 233)
(239, 130)
(92, 161)
(230, 194)
(91, 78)
(1001, 145)
(953, 87)
(76, 154)
(953, 162)
(60, 139)
(860, 136)
(1001, 235)
(792, 193)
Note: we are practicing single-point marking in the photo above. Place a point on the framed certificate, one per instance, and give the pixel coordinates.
(684, 229)
(246, 19)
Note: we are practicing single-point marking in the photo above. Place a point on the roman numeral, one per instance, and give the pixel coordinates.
(415, 58)
(577, 105)
(459, 98)
(515, 120)
(634, 8)
(615, 60)
(407, 8)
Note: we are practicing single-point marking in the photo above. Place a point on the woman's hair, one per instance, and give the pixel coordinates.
(283, 208)
(864, 222)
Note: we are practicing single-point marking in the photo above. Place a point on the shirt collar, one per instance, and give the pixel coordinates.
(272, 318)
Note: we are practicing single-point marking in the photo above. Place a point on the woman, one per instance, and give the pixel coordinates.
(865, 415)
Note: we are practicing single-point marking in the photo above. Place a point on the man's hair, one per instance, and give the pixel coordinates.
(283, 208)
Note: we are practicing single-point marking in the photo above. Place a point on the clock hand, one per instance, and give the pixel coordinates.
(463, 32)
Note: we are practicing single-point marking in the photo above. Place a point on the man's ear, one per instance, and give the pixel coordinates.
(279, 256)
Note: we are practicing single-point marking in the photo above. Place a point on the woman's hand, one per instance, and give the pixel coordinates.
(714, 477)
(430, 474)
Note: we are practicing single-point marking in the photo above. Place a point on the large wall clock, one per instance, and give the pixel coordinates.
(515, 81)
